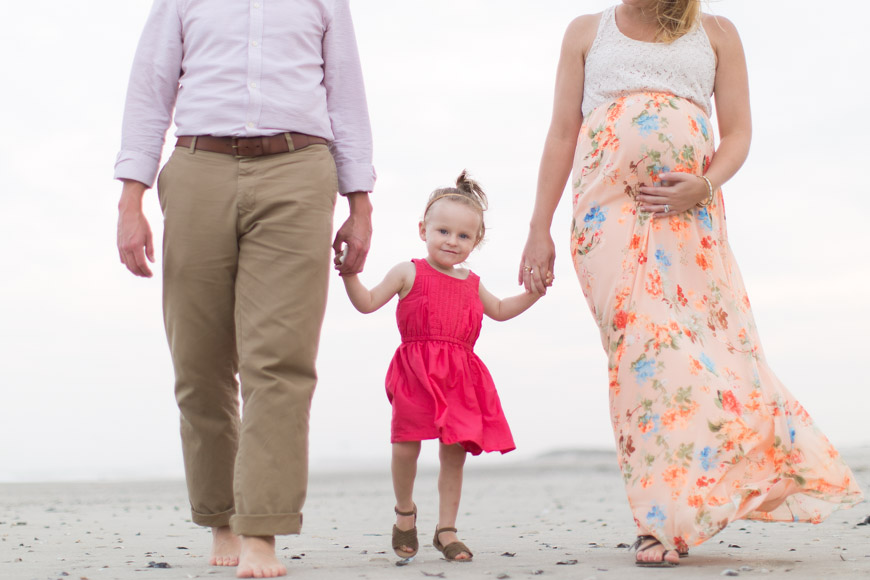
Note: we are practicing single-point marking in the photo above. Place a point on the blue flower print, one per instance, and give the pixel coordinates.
(595, 217)
(704, 217)
(646, 123)
(663, 258)
(708, 457)
(711, 366)
(650, 424)
(655, 516)
(702, 123)
(644, 368)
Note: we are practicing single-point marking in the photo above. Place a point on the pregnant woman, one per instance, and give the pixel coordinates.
(705, 433)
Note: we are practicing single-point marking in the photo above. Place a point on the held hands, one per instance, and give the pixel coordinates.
(354, 237)
(536, 264)
(677, 193)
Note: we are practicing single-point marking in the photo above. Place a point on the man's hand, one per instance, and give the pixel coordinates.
(135, 242)
(355, 234)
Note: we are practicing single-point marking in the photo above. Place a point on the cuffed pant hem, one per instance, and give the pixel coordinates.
(212, 520)
(271, 525)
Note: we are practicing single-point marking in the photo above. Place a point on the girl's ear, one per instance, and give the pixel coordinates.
(422, 226)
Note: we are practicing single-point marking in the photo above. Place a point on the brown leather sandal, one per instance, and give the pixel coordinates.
(452, 549)
(406, 538)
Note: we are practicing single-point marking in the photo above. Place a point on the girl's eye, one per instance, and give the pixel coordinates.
(463, 236)
(443, 232)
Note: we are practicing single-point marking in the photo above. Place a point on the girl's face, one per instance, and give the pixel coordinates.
(450, 232)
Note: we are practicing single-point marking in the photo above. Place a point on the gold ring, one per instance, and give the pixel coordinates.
(527, 269)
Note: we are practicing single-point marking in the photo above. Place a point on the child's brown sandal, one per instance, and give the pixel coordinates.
(405, 538)
(452, 549)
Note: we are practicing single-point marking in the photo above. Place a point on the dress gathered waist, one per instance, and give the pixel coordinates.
(451, 339)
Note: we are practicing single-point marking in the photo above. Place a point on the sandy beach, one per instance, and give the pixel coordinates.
(562, 515)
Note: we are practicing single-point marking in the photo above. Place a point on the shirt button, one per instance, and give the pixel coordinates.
(255, 43)
(253, 85)
(250, 123)
(256, 4)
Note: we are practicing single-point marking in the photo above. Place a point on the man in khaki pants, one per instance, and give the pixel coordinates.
(271, 120)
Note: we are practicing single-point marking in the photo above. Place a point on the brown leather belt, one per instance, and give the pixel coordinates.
(250, 146)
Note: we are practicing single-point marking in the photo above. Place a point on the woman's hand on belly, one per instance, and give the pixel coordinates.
(677, 193)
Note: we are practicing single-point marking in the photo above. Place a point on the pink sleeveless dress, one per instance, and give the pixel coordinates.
(438, 387)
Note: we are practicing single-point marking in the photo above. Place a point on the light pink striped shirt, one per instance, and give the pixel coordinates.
(245, 69)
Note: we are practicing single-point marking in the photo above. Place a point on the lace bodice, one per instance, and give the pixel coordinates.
(618, 65)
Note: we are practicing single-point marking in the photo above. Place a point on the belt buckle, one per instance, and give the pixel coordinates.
(247, 146)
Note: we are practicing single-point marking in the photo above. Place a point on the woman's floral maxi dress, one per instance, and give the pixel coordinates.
(705, 432)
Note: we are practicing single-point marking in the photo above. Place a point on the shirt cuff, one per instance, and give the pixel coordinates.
(136, 166)
(356, 177)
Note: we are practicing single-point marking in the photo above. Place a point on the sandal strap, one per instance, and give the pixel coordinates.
(439, 530)
(641, 539)
(410, 513)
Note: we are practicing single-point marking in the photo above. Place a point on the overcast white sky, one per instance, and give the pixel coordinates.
(86, 383)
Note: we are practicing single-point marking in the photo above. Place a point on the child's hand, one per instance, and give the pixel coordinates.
(539, 291)
(340, 257)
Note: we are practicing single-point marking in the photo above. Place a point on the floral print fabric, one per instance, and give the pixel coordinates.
(705, 432)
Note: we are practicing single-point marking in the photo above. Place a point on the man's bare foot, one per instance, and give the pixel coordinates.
(258, 559)
(225, 547)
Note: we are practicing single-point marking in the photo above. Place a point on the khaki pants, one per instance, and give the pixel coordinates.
(246, 261)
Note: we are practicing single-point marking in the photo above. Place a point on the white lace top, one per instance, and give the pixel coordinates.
(617, 65)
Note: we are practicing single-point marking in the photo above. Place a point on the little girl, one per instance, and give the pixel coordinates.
(438, 387)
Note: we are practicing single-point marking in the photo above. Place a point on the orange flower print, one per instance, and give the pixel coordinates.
(615, 111)
(681, 298)
(669, 417)
(654, 284)
(753, 405)
(705, 481)
(696, 501)
(679, 226)
(701, 260)
(675, 476)
(619, 299)
(620, 319)
(730, 403)
(646, 481)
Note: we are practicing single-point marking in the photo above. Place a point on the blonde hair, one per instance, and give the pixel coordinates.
(468, 192)
(676, 18)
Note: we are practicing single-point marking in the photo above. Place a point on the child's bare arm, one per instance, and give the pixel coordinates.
(506, 308)
(397, 281)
